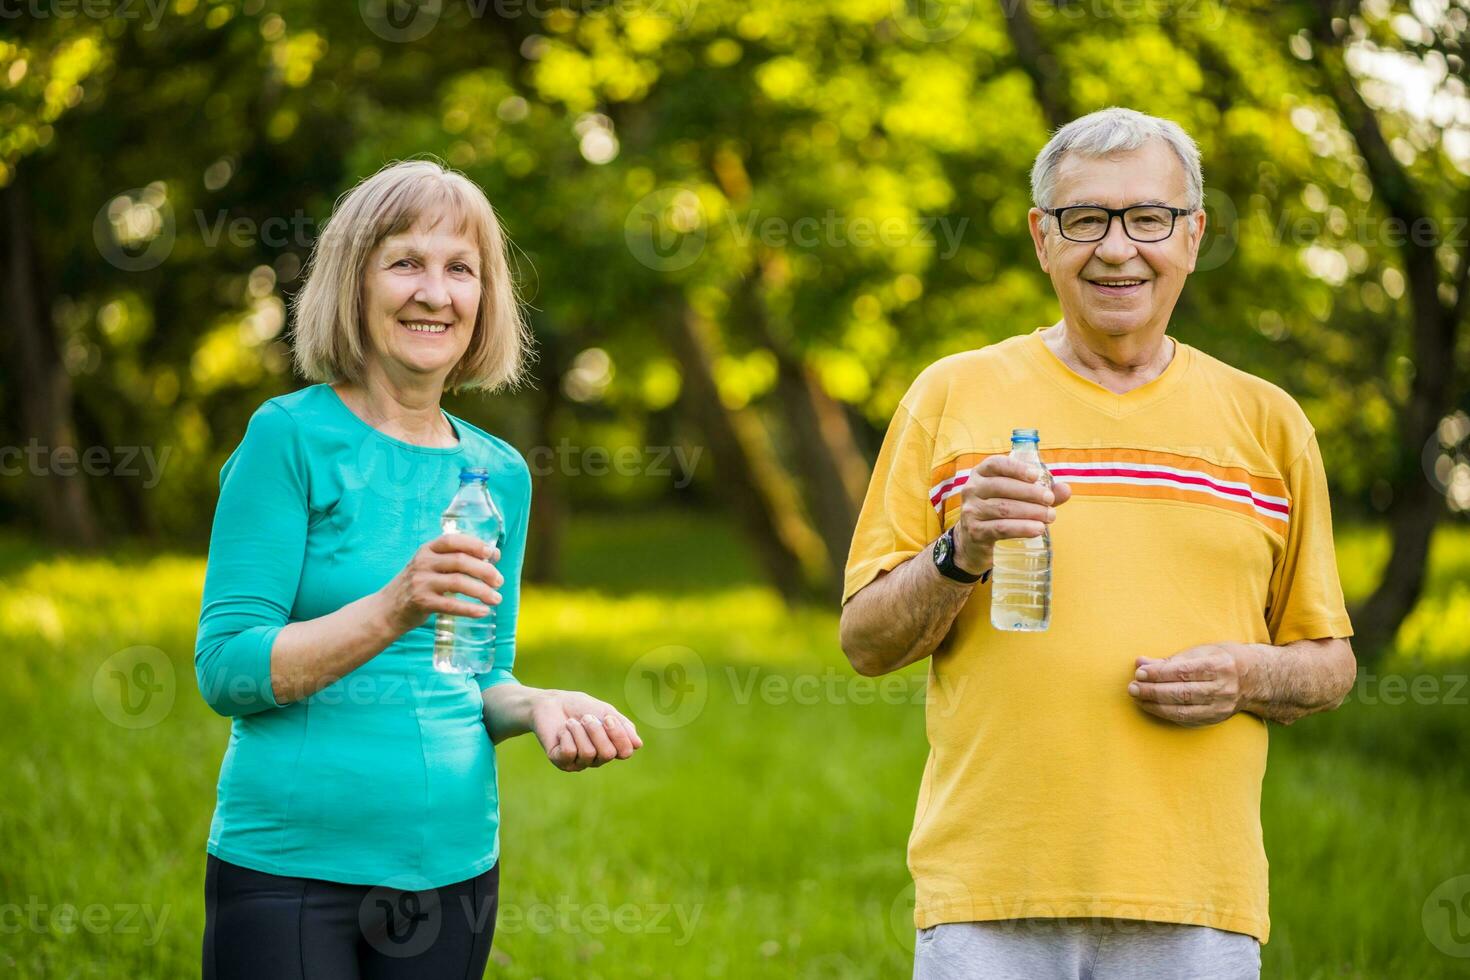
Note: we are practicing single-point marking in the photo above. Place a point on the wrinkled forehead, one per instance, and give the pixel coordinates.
(1150, 174)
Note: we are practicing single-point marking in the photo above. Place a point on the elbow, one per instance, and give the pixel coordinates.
(1348, 672)
(863, 658)
(214, 689)
(229, 692)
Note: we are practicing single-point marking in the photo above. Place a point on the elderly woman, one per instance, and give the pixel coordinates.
(357, 827)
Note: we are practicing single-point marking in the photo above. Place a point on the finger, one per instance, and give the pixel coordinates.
(465, 585)
(622, 741)
(1000, 508)
(1187, 715)
(997, 530)
(1004, 466)
(469, 565)
(1005, 488)
(632, 731)
(606, 751)
(467, 543)
(586, 753)
(1174, 693)
(1192, 669)
(566, 751)
(1061, 492)
(451, 606)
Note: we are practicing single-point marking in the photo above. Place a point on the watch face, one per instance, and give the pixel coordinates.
(941, 549)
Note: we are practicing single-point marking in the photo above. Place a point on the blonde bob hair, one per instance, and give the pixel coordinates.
(328, 343)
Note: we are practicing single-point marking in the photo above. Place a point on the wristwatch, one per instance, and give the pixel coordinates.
(944, 550)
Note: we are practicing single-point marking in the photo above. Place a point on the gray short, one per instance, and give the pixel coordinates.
(1083, 949)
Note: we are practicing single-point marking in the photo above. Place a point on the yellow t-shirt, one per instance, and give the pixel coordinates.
(1199, 514)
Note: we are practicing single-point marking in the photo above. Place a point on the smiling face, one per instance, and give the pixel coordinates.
(1117, 286)
(420, 299)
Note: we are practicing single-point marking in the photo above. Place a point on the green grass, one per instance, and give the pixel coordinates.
(763, 836)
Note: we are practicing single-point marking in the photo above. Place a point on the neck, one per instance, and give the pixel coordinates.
(398, 407)
(1119, 364)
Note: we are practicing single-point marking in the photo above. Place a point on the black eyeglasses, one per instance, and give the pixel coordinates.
(1141, 222)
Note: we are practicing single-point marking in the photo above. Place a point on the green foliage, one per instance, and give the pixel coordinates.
(774, 825)
(772, 132)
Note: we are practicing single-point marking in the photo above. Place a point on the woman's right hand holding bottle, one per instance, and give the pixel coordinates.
(448, 565)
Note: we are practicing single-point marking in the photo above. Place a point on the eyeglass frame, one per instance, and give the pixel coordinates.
(1174, 215)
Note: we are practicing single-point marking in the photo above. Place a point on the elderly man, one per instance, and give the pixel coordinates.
(1091, 803)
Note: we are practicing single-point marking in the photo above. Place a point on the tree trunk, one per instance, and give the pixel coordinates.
(832, 471)
(548, 509)
(1047, 82)
(44, 387)
(1416, 506)
(1412, 518)
(748, 475)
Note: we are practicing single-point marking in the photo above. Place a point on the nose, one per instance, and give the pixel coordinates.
(432, 293)
(1116, 247)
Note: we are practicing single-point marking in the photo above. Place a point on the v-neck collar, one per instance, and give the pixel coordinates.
(1094, 394)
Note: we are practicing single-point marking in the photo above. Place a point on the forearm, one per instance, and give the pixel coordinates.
(508, 709)
(1284, 683)
(314, 653)
(901, 617)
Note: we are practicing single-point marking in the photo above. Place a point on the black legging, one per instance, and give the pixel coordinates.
(263, 925)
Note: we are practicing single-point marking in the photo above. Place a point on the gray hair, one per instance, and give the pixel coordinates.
(1110, 131)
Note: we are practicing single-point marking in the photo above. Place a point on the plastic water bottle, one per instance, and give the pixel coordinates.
(1020, 589)
(464, 644)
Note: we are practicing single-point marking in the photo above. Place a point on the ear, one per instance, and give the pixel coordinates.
(1038, 237)
(1196, 225)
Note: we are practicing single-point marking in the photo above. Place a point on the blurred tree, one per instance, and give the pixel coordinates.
(744, 224)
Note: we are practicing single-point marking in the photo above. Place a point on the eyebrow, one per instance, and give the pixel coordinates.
(1098, 204)
(414, 252)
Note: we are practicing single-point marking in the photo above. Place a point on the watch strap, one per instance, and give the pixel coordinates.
(950, 570)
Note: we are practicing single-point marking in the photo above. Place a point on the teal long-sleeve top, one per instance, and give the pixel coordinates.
(388, 774)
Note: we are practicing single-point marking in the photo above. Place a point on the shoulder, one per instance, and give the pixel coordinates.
(499, 456)
(987, 366)
(288, 413)
(1270, 410)
(277, 419)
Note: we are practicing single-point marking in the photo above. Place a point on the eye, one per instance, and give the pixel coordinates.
(401, 262)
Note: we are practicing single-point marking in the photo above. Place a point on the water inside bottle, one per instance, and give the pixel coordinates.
(465, 644)
(1020, 580)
